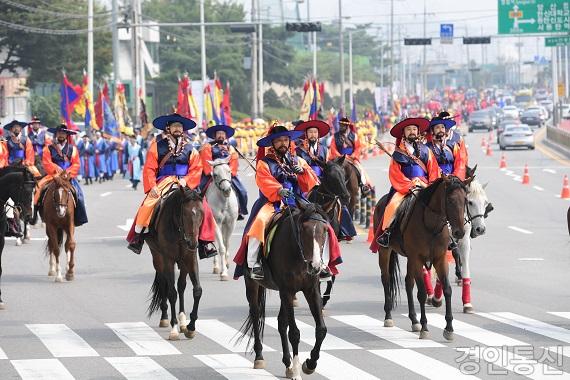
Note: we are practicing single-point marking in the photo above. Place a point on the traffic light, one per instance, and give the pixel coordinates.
(242, 28)
(303, 26)
(417, 41)
(476, 40)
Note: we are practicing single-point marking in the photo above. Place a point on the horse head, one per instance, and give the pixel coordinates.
(478, 207)
(62, 194)
(455, 197)
(334, 180)
(312, 227)
(222, 175)
(188, 205)
(20, 184)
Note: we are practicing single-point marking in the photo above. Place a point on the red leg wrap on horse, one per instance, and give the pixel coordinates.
(427, 282)
(207, 229)
(438, 293)
(466, 291)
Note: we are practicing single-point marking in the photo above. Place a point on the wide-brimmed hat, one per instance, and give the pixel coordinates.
(211, 132)
(398, 130)
(13, 123)
(443, 118)
(164, 121)
(321, 126)
(276, 132)
(35, 119)
(62, 128)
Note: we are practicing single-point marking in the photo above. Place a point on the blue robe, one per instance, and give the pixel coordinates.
(101, 165)
(134, 161)
(87, 158)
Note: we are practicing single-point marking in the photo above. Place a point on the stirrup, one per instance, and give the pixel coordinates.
(256, 273)
(384, 239)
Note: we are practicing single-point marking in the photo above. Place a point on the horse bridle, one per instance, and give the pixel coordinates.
(60, 203)
(219, 183)
(181, 226)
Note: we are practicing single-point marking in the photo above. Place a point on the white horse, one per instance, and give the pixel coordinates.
(224, 203)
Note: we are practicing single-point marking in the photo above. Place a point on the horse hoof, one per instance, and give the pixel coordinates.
(216, 271)
(436, 303)
(424, 334)
(448, 335)
(190, 334)
(388, 323)
(183, 329)
(429, 300)
(289, 373)
(224, 277)
(18, 242)
(306, 369)
(164, 323)
(173, 336)
(416, 327)
(70, 277)
(51, 273)
(468, 308)
(2, 306)
(58, 279)
(259, 364)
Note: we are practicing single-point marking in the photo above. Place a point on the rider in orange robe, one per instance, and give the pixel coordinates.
(172, 161)
(18, 148)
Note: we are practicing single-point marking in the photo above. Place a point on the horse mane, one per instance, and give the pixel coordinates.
(476, 188)
(306, 211)
(172, 209)
(454, 184)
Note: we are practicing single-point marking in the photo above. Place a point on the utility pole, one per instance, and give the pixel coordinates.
(566, 72)
(424, 71)
(469, 72)
(519, 79)
(254, 100)
(90, 44)
(391, 47)
(381, 66)
(116, 75)
(313, 43)
(135, 56)
(140, 62)
(350, 80)
(260, 53)
(341, 49)
(554, 70)
(203, 53)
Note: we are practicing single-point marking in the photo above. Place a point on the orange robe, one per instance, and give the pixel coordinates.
(29, 157)
(206, 155)
(334, 150)
(52, 169)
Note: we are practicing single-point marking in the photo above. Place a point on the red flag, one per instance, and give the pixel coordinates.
(227, 105)
(183, 107)
(103, 95)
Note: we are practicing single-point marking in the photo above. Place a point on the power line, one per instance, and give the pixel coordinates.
(52, 13)
(32, 29)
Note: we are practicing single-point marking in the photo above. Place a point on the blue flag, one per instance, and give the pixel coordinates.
(110, 126)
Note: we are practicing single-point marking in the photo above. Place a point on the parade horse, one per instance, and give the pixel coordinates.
(173, 239)
(16, 184)
(568, 220)
(351, 175)
(291, 265)
(58, 213)
(331, 195)
(421, 234)
(224, 203)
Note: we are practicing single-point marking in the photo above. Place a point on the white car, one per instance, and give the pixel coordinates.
(511, 112)
(516, 136)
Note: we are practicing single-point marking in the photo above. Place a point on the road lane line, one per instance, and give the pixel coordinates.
(334, 368)
(521, 230)
(529, 324)
(531, 259)
(3, 354)
(139, 368)
(475, 333)
(226, 336)
(234, 367)
(41, 369)
(421, 364)
(393, 335)
(561, 314)
(142, 339)
(549, 171)
(538, 188)
(61, 341)
(308, 336)
(106, 194)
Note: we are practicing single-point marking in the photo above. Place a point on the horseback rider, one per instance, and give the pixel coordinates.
(18, 149)
(413, 166)
(171, 161)
(58, 158)
(447, 146)
(346, 142)
(221, 148)
(281, 177)
(37, 136)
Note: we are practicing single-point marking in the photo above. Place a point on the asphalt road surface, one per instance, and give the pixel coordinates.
(96, 326)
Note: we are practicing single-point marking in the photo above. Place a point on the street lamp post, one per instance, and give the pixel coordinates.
(203, 52)
(341, 51)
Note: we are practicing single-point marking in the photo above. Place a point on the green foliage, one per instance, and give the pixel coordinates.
(272, 113)
(271, 99)
(46, 108)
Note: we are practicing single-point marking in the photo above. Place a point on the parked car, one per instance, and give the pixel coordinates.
(533, 116)
(481, 119)
(517, 136)
(511, 111)
(506, 123)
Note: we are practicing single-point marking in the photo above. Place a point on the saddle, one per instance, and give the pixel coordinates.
(157, 212)
(270, 230)
(404, 211)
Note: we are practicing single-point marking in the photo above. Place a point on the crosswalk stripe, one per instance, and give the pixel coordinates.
(61, 341)
(226, 336)
(142, 339)
(139, 368)
(331, 342)
(421, 364)
(529, 324)
(2, 354)
(561, 314)
(475, 333)
(234, 367)
(393, 335)
(334, 368)
(41, 369)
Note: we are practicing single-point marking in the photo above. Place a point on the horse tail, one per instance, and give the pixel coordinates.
(256, 318)
(394, 282)
(59, 235)
(158, 292)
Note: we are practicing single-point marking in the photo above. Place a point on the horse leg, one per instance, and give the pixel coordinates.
(328, 291)
(256, 299)
(416, 271)
(293, 371)
(70, 252)
(1, 249)
(192, 269)
(181, 287)
(27, 233)
(164, 321)
(223, 253)
(464, 248)
(313, 297)
(442, 270)
(282, 326)
(55, 248)
(171, 289)
(383, 263)
(219, 260)
(416, 327)
(227, 230)
(458, 265)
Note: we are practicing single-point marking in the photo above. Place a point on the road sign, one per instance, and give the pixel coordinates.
(476, 40)
(557, 41)
(446, 33)
(561, 89)
(534, 16)
(417, 41)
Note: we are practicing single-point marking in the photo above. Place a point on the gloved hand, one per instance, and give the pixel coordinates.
(285, 193)
(298, 169)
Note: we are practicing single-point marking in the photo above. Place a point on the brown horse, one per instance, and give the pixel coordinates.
(422, 235)
(173, 239)
(58, 212)
(292, 265)
(351, 175)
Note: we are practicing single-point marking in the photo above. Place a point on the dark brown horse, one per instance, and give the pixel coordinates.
(173, 239)
(291, 266)
(16, 184)
(423, 237)
(351, 175)
(58, 212)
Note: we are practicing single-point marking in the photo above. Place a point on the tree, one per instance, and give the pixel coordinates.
(46, 108)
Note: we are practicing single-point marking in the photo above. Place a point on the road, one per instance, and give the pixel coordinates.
(96, 326)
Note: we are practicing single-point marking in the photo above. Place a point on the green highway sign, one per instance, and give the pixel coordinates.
(557, 41)
(534, 16)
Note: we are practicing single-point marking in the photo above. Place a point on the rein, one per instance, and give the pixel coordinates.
(181, 227)
(219, 183)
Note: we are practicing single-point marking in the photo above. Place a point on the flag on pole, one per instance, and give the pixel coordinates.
(227, 105)
(314, 112)
(121, 109)
(110, 126)
(103, 96)
(70, 95)
(307, 101)
(85, 107)
(183, 104)
(146, 126)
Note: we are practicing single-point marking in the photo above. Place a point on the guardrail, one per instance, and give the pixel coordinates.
(559, 136)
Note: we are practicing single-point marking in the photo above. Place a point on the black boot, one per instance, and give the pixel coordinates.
(137, 243)
(257, 272)
(384, 239)
(206, 250)
(452, 244)
(240, 217)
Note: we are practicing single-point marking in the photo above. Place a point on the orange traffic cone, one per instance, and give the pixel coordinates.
(526, 177)
(565, 194)
(489, 151)
(503, 163)
(483, 142)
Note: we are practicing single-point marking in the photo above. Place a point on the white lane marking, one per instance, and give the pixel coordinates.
(521, 230)
(61, 341)
(509, 172)
(529, 324)
(538, 188)
(561, 314)
(331, 342)
(234, 367)
(127, 186)
(475, 333)
(421, 364)
(106, 194)
(3, 354)
(127, 226)
(41, 369)
(334, 368)
(224, 335)
(393, 335)
(517, 178)
(139, 368)
(142, 339)
(531, 259)
(549, 171)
